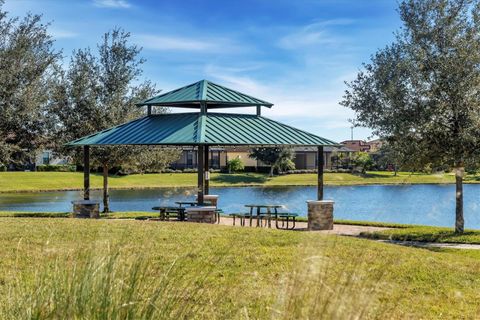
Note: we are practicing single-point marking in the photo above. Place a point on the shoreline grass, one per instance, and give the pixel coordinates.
(152, 214)
(425, 234)
(11, 182)
(96, 268)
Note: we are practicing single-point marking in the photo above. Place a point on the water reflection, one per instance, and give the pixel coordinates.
(419, 204)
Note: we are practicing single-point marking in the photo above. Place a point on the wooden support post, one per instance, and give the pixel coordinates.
(201, 174)
(259, 110)
(86, 172)
(206, 166)
(149, 110)
(320, 163)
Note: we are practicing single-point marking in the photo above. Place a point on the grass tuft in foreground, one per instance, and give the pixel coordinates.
(103, 269)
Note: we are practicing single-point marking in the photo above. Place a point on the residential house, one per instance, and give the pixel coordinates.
(48, 157)
(357, 145)
(305, 158)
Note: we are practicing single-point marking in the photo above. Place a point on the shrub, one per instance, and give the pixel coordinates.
(57, 167)
(235, 165)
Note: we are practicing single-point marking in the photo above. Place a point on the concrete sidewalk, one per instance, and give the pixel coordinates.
(338, 229)
(420, 244)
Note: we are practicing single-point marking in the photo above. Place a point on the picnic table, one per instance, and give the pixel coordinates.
(256, 210)
(191, 203)
(165, 212)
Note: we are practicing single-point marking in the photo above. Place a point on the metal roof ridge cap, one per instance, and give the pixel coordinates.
(333, 142)
(201, 128)
(203, 90)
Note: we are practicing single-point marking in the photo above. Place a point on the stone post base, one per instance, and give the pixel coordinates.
(320, 215)
(213, 199)
(86, 209)
(201, 214)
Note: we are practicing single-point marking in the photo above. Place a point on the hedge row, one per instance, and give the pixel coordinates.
(56, 167)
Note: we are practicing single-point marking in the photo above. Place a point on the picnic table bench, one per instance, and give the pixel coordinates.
(166, 212)
(265, 216)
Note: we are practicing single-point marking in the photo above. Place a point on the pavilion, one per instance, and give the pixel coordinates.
(203, 129)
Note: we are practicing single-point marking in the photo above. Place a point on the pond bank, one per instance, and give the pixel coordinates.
(18, 182)
(399, 204)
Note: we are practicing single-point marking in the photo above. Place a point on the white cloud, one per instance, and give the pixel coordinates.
(122, 4)
(312, 34)
(309, 105)
(174, 43)
(62, 34)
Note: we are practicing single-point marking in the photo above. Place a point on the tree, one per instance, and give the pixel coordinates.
(280, 158)
(98, 92)
(152, 159)
(27, 64)
(235, 165)
(421, 92)
(387, 156)
(363, 160)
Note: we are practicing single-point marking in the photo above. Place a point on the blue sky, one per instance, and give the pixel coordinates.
(295, 54)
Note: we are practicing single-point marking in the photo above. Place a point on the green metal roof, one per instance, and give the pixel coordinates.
(200, 129)
(214, 95)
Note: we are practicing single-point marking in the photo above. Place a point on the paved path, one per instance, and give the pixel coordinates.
(338, 229)
(353, 230)
(420, 244)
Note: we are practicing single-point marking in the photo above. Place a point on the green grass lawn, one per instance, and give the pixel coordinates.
(73, 268)
(426, 234)
(43, 181)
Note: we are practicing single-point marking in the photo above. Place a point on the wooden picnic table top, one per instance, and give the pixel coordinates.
(264, 205)
(192, 203)
(168, 208)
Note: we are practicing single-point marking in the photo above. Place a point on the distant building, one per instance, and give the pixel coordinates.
(48, 157)
(375, 145)
(363, 146)
(305, 158)
(357, 145)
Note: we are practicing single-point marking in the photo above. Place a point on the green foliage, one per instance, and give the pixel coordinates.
(420, 92)
(56, 167)
(99, 91)
(363, 160)
(152, 159)
(280, 158)
(235, 165)
(28, 64)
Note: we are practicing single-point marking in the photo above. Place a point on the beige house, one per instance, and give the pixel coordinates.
(305, 158)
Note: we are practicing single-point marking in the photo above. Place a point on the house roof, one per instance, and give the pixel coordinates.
(204, 91)
(203, 129)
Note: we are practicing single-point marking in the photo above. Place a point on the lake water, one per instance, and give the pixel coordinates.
(415, 204)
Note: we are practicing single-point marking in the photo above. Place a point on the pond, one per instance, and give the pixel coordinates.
(415, 204)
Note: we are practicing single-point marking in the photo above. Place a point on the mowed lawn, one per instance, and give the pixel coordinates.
(73, 268)
(43, 181)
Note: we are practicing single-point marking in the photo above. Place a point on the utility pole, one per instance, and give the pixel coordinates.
(351, 132)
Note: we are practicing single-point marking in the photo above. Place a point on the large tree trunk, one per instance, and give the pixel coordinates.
(271, 170)
(106, 196)
(459, 222)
